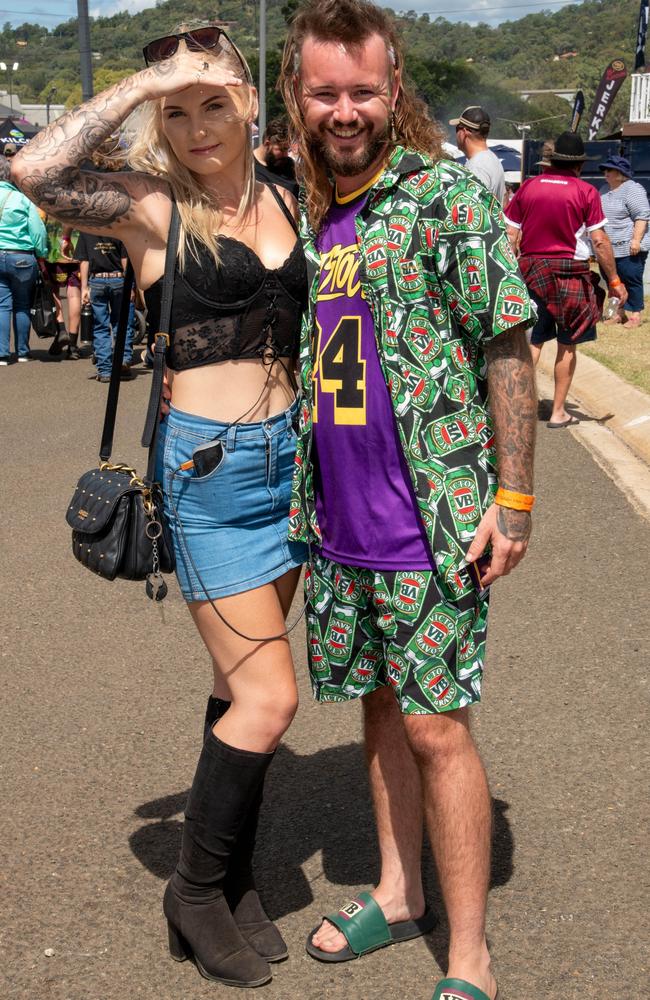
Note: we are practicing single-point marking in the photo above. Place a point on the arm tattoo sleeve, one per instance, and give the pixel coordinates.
(513, 406)
(48, 170)
(87, 200)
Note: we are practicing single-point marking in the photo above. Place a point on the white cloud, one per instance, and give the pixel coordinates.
(105, 8)
(491, 12)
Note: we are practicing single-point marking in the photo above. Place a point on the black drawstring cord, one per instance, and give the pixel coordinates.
(185, 547)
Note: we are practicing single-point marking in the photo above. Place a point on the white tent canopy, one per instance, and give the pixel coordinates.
(512, 176)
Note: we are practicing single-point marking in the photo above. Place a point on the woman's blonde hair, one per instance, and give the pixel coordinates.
(149, 150)
(349, 23)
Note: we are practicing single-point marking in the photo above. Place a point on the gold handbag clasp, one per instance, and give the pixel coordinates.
(117, 467)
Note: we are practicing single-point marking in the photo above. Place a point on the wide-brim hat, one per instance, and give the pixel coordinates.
(620, 163)
(569, 148)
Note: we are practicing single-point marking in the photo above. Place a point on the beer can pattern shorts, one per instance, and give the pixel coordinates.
(368, 629)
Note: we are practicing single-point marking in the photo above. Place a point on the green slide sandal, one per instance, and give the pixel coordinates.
(459, 989)
(364, 927)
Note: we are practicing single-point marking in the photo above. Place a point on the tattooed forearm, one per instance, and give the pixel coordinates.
(48, 168)
(79, 197)
(514, 524)
(513, 406)
(79, 133)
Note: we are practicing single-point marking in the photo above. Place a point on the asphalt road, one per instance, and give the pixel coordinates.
(102, 704)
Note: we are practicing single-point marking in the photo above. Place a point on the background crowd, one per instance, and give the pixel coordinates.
(89, 271)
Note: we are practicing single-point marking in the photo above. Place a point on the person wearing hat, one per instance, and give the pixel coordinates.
(472, 130)
(625, 203)
(550, 221)
(547, 151)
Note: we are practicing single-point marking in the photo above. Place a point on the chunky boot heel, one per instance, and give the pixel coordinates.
(178, 948)
(200, 923)
(239, 885)
(210, 937)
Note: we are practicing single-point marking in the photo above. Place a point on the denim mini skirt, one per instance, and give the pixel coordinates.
(230, 526)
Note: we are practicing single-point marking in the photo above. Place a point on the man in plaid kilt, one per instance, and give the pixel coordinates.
(551, 220)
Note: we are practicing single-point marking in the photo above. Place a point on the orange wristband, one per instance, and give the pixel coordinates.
(513, 500)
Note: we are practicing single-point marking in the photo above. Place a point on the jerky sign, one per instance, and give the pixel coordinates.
(608, 88)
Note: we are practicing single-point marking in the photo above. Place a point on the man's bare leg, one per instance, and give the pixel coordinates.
(536, 351)
(397, 799)
(459, 817)
(565, 366)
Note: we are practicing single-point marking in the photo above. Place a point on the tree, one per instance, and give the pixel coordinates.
(288, 9)
(103, 78)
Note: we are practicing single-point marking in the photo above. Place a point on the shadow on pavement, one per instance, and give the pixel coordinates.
(313, 804)
(545, 406)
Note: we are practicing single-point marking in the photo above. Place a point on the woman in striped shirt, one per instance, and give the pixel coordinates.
(625, 203)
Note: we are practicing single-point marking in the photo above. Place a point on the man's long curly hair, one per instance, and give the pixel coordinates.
(350, 23)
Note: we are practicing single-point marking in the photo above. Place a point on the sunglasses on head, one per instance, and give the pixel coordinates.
(197, 40)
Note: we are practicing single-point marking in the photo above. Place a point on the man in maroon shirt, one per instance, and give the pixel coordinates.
(550, 221)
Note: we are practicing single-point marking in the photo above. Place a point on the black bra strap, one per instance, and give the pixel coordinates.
(285, 208)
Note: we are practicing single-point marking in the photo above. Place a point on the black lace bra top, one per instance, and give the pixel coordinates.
(240, 309)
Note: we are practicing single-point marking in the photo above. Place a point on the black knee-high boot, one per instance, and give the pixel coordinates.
(198, 916)
(239, 886)
(73, 349)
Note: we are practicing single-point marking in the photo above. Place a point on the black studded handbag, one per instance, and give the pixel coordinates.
(118, 525)
(117, 520)
(43, 310)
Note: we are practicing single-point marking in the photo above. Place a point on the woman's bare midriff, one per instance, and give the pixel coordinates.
(233, 391)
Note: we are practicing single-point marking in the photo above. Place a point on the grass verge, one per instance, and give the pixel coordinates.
(625, 351)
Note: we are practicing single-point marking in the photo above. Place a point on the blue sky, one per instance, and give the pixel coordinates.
(472, 11)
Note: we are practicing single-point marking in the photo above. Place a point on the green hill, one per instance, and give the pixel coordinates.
(453, 64)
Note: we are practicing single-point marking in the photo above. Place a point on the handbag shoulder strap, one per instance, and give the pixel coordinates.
(161, 343)
(162, 339)
(106, 445)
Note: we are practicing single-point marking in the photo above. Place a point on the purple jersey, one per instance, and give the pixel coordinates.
(364, 498)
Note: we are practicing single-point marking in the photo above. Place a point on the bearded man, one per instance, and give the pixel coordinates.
(419, 400)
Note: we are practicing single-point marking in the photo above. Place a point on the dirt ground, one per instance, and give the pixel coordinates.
(101, 711)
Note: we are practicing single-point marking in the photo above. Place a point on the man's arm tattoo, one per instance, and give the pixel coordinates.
(514, 524)
(513, 406)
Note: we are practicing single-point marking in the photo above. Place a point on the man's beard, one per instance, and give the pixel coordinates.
(282, 165)
(350, 164)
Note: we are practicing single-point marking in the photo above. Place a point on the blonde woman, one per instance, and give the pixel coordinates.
(239, 290)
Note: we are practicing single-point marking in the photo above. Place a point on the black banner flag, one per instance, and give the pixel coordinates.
(608, 88)
(639, 61)
(578, 108)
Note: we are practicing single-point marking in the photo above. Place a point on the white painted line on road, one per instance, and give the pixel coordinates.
(629, 473)
(637, 421)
